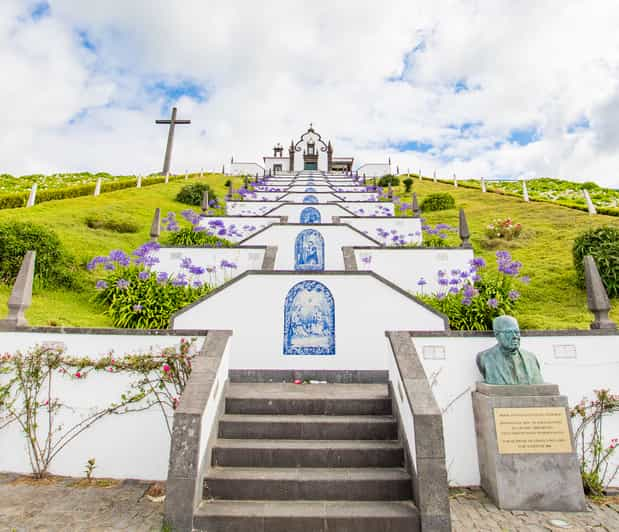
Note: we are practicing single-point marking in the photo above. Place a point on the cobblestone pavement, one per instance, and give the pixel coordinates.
(62, 504)
(472, 510)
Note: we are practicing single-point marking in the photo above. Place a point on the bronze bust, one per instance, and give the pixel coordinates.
(506, 363)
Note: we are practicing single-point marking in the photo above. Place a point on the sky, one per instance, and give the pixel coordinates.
(472, 87)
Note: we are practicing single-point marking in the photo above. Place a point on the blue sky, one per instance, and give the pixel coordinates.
(444, 86)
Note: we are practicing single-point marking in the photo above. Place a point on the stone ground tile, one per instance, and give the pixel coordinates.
(61, 505)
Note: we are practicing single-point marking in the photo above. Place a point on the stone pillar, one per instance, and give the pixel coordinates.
(483, 185)
(139, 181)
(33, 196)
(541, 473)
(525, 191)
(155, 228)
(419, 174)
(204, 203)
(434, 176)
(455, 181)
(415, 206)
(463, 229)
(590, 206)
(201, 172)
(597, 298)
(21, 295)
(97, 187)
(186, 174)
(167, 179)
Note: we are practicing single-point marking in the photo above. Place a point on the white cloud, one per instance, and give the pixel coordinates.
(271, 68)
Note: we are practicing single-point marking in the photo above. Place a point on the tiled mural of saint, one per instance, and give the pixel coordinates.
(310, 199)
(310, 215)
(309, 320)
(309, 251)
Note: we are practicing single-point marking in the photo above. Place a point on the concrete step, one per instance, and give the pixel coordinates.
(309, 484)
(314, 516)
(310, 399)
(308, 427)
(307, 453)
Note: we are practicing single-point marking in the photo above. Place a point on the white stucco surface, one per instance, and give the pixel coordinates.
(406, 266)
(237, 227)
(596, 366)
(322, 197)
(407, 228)
(379, 208)
(214, 259)
(250, 208)
(254, 308)
(335, 236)
(132, 445)
(293, 211)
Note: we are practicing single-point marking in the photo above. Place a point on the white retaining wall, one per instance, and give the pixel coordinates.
(253, 307)
(284, 236)
(250, 208)
(244, 225)
(322, 197)
(244, 259)
(408, 228)
(133, 445)
(406, 266)
(379, 208)
(293, 211)
(595, 366)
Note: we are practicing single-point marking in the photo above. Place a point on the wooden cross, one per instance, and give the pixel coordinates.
(168, 151)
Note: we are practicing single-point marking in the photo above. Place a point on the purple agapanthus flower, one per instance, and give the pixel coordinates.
(162, 277)
(492, 302)
(196, 270)
(513, 295)
(137, 308)
(120, 257)
(101, 285)
(123, 284)
(422, 281)
(186, 263)
(143, 275)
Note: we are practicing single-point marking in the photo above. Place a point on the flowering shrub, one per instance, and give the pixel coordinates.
(27, 393)
(602, 243)
(53, 265)
(213, 234)
(472, 298)
(436, 237)
(593, 453)
(506, 229)
(136, 297)
(192, 194)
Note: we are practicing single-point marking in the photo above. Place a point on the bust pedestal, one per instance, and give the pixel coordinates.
(527, 459)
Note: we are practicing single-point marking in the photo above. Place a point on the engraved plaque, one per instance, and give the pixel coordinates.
(564, 351)
(532, 430)
(434, 352)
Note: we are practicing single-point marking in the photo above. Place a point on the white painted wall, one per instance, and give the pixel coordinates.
(244, 169)
(295, 197)
(260, 195)
(244, 225)
(596, 366)
(317, 188)
(410, 228)
(134, 445)
(406, 266)
(250, 208)
(293, 211)
(253, 307)
(244, 258)
(284, 237)
(379, 208)
(358, 196)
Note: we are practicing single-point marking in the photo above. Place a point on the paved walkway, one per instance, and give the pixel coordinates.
(69, 505)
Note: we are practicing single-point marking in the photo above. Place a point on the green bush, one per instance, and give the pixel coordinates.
(602, 244)
(386, 179)
(438, 202)
(192, 194)
(136, 299)
(187, 237)
(53, 265)
(112, 222)
(408, 183)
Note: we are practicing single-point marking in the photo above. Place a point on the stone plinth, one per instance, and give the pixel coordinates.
(530, 462)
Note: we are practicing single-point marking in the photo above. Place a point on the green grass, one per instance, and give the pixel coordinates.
(68, 219)
(552, 299)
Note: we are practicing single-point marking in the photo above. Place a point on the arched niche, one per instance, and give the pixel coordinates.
(310, 215)
(309, 251)
(309, 320)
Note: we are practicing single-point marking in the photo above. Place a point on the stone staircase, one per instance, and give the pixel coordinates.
(312, 457)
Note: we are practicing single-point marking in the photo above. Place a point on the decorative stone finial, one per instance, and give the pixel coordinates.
(416, 210)
(155, 228)
(483, 184)
(204, 202)
(390, 190)
(434, 176)
(465, 234)
(21, 296)
(455, 181)
(597, 298)
(166, 181)
(138, 183)
(97, 187)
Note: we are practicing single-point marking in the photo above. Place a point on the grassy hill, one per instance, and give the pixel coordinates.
(551, 300)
